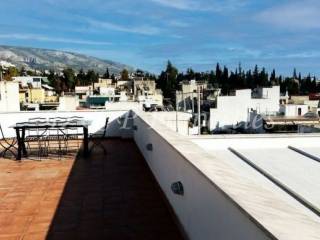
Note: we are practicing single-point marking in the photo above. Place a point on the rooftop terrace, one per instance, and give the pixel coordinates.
(234, 186)
(103, 197)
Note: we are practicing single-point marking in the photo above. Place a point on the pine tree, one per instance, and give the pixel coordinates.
(125, 75)
(106, 74)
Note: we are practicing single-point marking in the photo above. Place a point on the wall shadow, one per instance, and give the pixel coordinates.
(112, 196)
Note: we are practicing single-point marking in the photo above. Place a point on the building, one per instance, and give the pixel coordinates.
(187, 97)
(35, 93)
(34, 81)
(293, 110)
(145, 92)
(230, 111)
(9, 96)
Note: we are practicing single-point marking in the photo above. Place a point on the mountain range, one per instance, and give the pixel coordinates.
(45, 59)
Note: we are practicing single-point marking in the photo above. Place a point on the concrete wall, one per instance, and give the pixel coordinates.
(170, 120)
(204, 212)
(9, 96)
(68, 103)
(116, 122)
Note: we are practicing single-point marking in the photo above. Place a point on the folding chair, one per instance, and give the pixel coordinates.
(97, 138)
(7, 144)
(36, 138)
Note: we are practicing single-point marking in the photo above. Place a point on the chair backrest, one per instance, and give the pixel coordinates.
(75, 119)
(1, 132)
(58, 120)
(37, 120)
(105, 126)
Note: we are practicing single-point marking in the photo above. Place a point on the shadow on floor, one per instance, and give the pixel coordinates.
(112, 197)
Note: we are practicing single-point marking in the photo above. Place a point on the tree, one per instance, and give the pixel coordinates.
(52, 78)
(81, 78)
(125, 75)
(218, 73)
(295, 74)
(255, 76)
(10, 73)
(190, 75)
(69, 78)
(167, 81)
(92, 77)
(106, 74)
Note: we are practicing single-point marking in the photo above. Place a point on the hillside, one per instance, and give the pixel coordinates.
(45, 59)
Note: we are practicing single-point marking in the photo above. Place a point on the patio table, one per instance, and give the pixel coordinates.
(21, 128)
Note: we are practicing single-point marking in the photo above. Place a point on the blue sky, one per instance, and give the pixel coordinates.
(191, 33)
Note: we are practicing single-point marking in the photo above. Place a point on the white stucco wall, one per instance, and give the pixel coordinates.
(291, 110)
(174, 120)
(9, 96)
(235, 109)
(204, 212)
(68, 103)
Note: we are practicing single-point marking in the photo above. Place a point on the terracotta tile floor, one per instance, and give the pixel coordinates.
(104, 197)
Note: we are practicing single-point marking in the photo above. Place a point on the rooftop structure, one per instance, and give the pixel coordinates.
(232, 110)
(219, 187)
(34, 81)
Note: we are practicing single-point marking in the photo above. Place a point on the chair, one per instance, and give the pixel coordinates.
(56, 136)
(7, 144)
(73, 134)
(36, 138)
(98, 137)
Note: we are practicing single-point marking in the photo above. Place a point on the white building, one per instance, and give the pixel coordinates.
(9, 96)
(293, 110)
(35, 81)
(83, 91)
(233, 110)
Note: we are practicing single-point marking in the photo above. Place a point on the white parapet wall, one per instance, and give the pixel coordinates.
(204, 211)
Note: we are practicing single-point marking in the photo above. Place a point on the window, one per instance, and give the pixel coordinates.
(299, 111)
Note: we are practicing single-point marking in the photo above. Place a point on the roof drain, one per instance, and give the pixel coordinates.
(293, 194)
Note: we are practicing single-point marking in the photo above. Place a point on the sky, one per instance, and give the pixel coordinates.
(145, 34)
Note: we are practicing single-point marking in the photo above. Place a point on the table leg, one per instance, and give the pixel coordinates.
(85, 142)
(23, 135)
(19, 144)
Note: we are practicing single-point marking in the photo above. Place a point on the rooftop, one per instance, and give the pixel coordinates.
(222, 187)
(104, 197)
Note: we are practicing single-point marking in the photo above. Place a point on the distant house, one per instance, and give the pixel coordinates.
(34, 81)
(239, 108)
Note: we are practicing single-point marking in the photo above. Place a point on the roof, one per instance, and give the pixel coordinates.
(274, 178)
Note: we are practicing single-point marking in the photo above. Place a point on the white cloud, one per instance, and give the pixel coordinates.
(51, 39)
(203, 5)
(294, 15)
(144, 29)
(178, 4)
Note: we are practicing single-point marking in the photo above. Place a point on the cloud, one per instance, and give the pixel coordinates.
(302, 15)
(178, 4)
(51, 39)
(203, 5)
(143, 29)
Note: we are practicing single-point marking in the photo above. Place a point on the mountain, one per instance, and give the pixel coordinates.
(45, 59)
